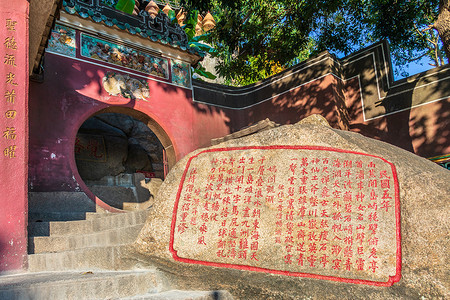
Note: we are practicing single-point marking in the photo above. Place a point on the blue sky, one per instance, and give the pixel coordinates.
(416, 67)
(413, 68)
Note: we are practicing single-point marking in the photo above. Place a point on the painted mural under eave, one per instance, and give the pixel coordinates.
(126, 62)
(62, 41)
(180, 73)
(121, 55)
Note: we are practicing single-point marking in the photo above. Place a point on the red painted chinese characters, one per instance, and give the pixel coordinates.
(293, 210)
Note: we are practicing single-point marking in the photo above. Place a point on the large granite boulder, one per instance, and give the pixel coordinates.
(138, 159)
(303, 211)
(100, 150)
(110, 144)
(137, 132)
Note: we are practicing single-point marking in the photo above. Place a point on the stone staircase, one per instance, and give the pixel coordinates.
(135, 285)
(77, 285)
(126, 191)
(81, 259)
(93, 243)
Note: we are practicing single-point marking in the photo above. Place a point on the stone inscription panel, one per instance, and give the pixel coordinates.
(89, 147)
(294, 210)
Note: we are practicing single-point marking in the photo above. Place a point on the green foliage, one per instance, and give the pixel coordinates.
(127, 6)
(172, 16)
(196, 42)
(403, 24)
(253, 36)
(201, 71)
(190, 22)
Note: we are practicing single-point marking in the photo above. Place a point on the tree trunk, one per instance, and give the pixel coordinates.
(442, 25)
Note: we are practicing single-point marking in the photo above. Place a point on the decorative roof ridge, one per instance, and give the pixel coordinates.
(158, 29)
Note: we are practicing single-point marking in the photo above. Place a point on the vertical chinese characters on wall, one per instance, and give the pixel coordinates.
(11, 84)
(13, 139)
(317, 213)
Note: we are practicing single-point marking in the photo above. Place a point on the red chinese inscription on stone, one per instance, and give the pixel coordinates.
(294, 210)
(90, 147)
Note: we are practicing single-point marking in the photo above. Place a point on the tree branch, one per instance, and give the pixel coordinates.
(415, 58)
(428, 28)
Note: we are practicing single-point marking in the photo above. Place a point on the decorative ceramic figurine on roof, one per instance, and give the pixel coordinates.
(136, 7)
(167, 8)
(181, 17)
(208, 22)
(198, 27)
(152, 9)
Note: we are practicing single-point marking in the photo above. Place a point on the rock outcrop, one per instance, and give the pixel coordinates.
(111, 144)
(366, 220)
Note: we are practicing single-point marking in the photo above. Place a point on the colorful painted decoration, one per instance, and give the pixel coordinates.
(180, 73)
(181, 17)
(120, 55)
(132, 88)
(136, 8)
(198, 27)
(443, 160)
(62, 41)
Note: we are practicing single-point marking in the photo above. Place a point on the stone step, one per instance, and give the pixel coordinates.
(41, 202)
(56, 216)
(185, 295)
(132, 206)
(115, 236)
(101, 222)
(96, 258)
(115, 195)
(94, 215)
(77, 285)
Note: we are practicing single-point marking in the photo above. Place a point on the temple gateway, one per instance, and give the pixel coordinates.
(122, 176)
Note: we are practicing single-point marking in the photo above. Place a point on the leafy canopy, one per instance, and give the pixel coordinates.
(126, 6)
(255, 39)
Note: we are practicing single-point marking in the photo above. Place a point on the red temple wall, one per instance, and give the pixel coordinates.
(423, 130)
(72, 92)
(14, 134)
